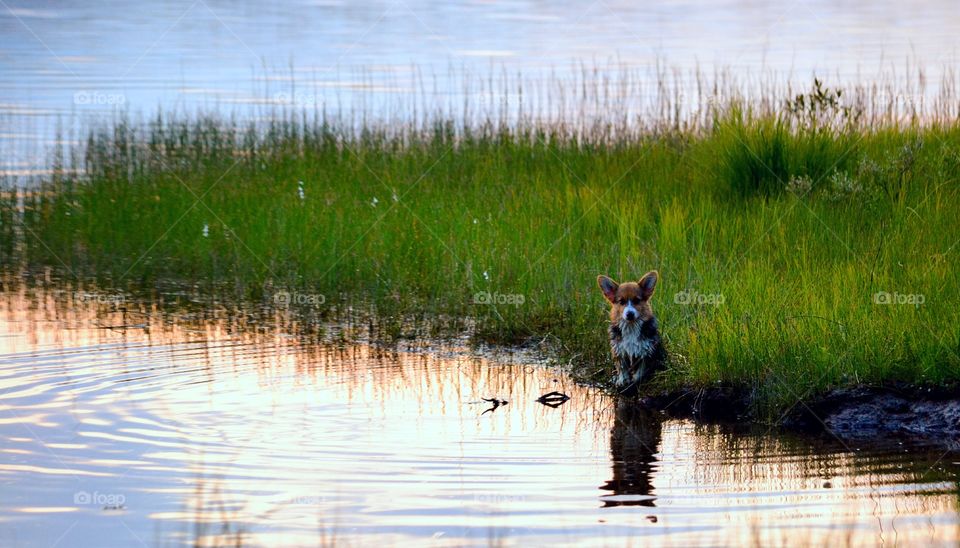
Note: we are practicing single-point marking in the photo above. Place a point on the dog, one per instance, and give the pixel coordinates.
(638, 352)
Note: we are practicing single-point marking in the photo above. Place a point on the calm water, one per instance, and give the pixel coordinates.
(65, 61)
(165, 429)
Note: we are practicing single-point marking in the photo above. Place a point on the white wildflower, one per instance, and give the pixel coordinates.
(800, 185)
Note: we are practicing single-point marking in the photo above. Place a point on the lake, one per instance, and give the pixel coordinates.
(66, 65)
(190, 423)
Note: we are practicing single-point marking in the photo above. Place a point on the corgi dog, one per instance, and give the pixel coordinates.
(635, 342)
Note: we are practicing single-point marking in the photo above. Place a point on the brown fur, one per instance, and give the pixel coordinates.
(635, 342)
(627, 291)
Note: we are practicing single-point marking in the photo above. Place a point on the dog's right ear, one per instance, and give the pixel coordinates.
(608, 286)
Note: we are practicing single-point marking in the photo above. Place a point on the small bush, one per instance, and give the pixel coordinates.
(761, 156)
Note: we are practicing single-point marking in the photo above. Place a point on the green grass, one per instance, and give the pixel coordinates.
(794, 222)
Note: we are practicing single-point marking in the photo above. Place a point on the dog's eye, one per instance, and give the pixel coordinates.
(635, 301)
(622, 301)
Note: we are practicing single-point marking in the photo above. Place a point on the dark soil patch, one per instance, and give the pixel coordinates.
(925, 414)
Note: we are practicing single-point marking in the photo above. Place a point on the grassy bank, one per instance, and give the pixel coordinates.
(799, 247)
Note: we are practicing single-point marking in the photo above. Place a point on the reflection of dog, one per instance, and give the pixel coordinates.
(633, 447)
(634, 337)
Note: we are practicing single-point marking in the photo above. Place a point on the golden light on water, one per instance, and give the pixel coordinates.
(224, 427)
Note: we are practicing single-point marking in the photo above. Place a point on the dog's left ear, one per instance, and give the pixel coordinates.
(647, 284)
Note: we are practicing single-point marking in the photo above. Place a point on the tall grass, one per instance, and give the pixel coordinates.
(780, 229)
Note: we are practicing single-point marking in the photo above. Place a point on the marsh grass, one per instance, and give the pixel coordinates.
(794, 217)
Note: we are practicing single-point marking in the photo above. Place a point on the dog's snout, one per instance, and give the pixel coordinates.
(630, 315)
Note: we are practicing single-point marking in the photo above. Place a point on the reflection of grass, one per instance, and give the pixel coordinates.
(797, 220)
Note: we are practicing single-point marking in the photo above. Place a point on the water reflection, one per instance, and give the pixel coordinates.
(194, 424)
(634, 442)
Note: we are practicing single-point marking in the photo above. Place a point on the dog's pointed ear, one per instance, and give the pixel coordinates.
(647, 284)
(608, 286)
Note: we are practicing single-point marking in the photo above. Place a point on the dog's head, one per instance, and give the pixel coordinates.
(630, 301)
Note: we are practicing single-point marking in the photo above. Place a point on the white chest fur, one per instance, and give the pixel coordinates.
(632, 343)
